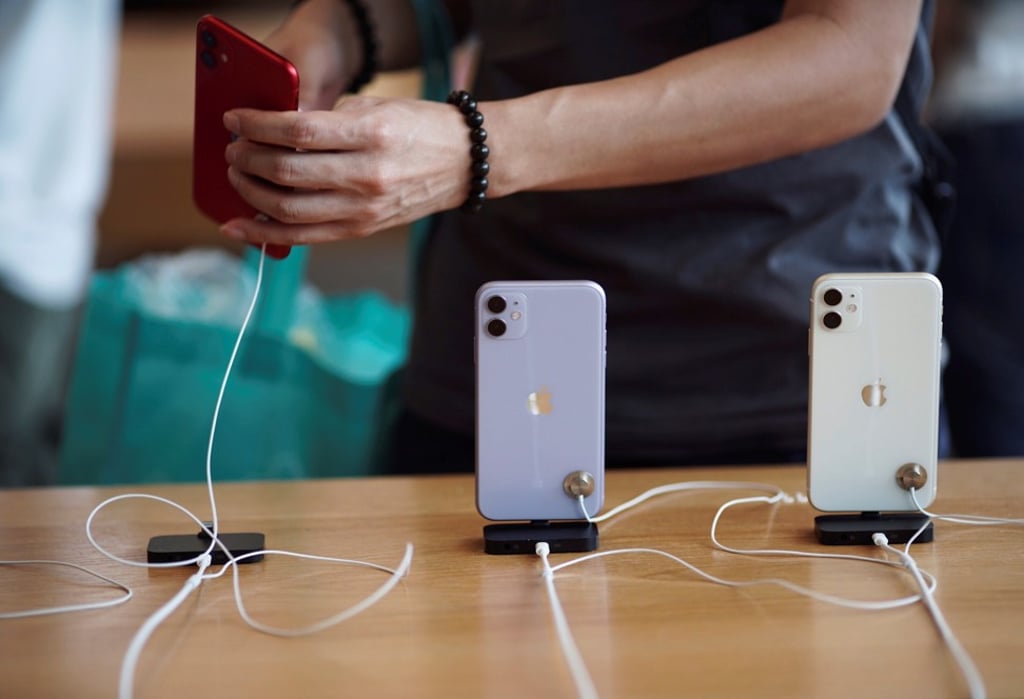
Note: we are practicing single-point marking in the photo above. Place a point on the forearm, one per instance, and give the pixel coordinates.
(323, 37)
(809, 81)
(828, 70)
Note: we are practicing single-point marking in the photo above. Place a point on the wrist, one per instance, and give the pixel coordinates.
(508, 157)
(350, 26)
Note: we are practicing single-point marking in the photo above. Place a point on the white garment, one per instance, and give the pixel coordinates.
(57, 75)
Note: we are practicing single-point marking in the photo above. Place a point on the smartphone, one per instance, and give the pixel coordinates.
(540, 367)
(232, 70)
(875, 349)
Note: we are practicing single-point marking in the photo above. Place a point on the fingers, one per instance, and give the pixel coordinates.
(367, 165)
(290, 168)
(279, 236)
(299, 205)
(296, 130)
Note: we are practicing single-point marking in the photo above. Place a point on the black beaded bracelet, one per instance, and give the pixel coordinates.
(369, 38)
(478, 152)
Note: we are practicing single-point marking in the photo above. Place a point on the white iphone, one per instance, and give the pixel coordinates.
(875, 348)
(540, 362)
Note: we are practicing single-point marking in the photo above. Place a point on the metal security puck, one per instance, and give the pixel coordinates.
(911, 476)
(578, 483)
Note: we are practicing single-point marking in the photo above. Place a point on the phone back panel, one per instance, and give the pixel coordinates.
(232, 70)
(874, 389)
(540, 398)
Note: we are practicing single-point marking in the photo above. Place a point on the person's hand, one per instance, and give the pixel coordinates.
(368, 165)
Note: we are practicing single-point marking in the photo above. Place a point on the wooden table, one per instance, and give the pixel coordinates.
(466, 624)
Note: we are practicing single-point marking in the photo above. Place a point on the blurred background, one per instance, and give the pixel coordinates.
(335, 356)
(110, 363)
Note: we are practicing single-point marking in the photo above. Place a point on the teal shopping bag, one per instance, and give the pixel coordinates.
(313, 388)
(303, 399)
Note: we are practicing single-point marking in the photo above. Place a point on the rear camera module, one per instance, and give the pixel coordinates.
(832, 320)
(833, 297)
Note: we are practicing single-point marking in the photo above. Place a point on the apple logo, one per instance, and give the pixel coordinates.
(539, 402)
(873, 394)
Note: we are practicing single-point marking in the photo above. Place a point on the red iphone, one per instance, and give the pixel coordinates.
(232, 70)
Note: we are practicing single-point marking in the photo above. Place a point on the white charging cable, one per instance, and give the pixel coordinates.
(580, 675)
(779, 496)
(395, 576)
(886, 604)
(131, 657)
(968, 669)
(571, 652)
(203, 560)
(61, 609)
(680, 487)
(978, 520)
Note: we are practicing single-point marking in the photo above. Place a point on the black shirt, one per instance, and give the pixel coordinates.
(707, 279)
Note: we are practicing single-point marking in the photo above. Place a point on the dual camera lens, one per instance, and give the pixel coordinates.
(207, 56)
(496, 327)
(832, 320)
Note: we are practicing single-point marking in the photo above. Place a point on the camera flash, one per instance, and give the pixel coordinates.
(224, 58)
(516, 315)
(852, 308)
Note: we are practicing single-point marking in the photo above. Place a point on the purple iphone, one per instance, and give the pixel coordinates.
(540, 363)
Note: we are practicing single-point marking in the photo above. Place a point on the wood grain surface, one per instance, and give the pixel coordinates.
(466, 624)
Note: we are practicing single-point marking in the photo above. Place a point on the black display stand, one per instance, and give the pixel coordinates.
(172, 548)
(523, 537)
(857, 529)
